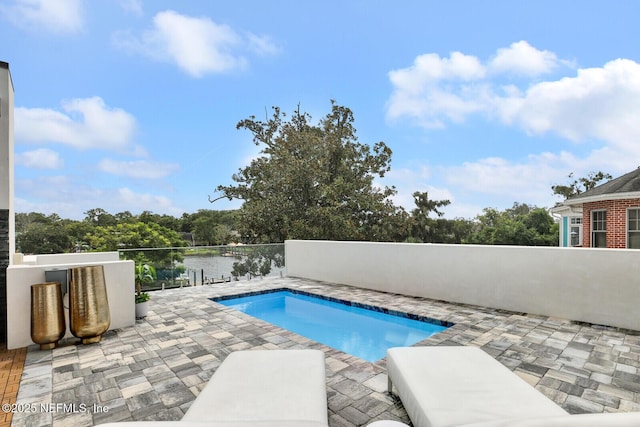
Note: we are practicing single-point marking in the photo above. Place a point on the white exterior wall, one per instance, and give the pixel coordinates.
(600, 286)
(119, 277)
(86, 258)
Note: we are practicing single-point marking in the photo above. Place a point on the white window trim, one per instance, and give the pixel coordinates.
(579, 225)
(626, 234)
(591, 240)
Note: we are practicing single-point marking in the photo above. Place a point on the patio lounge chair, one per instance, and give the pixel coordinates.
(266, 385)
(260, 388)
(464, 386)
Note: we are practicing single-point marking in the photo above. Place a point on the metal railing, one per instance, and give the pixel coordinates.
(205, 265)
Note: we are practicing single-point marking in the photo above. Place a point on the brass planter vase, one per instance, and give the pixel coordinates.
(89, 314)
(47, 315)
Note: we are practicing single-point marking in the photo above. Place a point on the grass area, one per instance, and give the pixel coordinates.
(218, 251)
(202, 251)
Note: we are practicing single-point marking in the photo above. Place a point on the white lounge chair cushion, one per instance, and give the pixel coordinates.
(265, 385)
(278, 423)
(454, 386)
(620, 419)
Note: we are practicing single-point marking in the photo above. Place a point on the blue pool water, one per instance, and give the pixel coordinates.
(361, 332)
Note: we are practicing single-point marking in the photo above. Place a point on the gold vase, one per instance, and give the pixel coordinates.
(47, 315)
(89, 314)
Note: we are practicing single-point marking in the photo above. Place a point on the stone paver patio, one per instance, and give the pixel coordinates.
(153, 371)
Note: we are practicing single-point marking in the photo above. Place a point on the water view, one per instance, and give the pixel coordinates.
(217, 267)
(184, 266)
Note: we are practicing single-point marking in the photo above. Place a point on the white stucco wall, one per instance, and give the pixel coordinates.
(119, 277)
(75, 258)
(600, 286)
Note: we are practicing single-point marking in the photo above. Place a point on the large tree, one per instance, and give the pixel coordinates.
(313, 181)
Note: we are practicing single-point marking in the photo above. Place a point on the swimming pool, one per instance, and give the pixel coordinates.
(364, 332)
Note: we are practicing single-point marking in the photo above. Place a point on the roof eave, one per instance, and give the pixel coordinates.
(602, 197)
(566, 210)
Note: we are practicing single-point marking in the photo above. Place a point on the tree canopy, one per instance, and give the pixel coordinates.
(213, 227)
(100, 230)
(521, 224)
(313, 181)
(38, 233)
(133, 235)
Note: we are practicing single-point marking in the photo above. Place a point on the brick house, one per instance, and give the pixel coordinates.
(606, 216)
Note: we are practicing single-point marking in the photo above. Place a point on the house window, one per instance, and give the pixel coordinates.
(575, 231)
(633, 228)
(598, 229)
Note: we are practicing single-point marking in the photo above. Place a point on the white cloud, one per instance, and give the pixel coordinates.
(127, 199)
(84, 124)
(429, 68)
(138, 168)
(507, 181)
(70, 198)
(436, 90)
(197, 45)
(426, 179)
(56, 16)
(42, 158)
(262, 45)
(132, 6)
(529, 181)
(418, 94)
(470, 185)
(523, 59)
(55, 194)
(599, 104)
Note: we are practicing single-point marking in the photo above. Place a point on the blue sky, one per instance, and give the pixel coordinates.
(132, 105)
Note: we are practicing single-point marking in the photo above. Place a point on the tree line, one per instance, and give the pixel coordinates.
(100, 230)
(37, 233)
